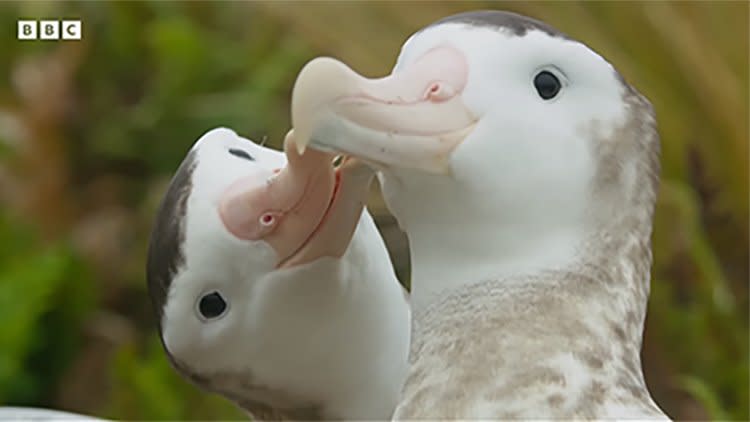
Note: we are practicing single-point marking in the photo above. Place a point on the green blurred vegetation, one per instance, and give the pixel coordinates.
(91, 131)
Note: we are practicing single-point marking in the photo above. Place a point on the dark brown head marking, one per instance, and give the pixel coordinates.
(165, 253)
(517, 24)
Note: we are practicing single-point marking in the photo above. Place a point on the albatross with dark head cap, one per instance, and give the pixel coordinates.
(272, 285)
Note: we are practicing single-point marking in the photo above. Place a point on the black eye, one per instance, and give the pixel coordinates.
(212, 305)
(546, 84)
(241, 153)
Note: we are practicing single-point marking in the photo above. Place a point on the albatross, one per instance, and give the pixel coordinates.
(272, 285)
(524, 170)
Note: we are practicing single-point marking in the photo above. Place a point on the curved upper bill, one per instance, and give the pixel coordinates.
(414, 118)
(307, 210)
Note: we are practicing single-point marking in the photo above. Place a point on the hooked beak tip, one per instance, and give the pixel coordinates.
(408, 119)
(298, 143)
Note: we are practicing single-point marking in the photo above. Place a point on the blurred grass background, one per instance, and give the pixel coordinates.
(91, 131)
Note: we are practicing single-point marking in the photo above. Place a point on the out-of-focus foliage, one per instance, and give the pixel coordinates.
(91, 131)
(35, 335)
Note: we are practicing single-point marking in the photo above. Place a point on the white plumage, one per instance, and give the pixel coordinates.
(324, 339)
(528, 212)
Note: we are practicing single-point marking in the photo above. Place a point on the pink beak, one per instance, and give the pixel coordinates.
(414, 118)
(307, 211)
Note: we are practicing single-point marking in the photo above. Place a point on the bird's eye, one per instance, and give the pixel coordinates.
(212, 305)
(547, 85)
(241, 153)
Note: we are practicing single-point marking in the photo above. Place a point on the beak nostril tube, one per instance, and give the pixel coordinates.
(400, 120)
(439, 92)
(267, 219)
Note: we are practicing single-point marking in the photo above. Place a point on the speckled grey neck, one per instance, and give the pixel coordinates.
(557, 344)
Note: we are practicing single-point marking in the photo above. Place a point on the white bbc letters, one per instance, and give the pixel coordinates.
(71, 30)
(49, 30)
(26, 30)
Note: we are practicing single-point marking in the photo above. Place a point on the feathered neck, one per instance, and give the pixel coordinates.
(556, 343)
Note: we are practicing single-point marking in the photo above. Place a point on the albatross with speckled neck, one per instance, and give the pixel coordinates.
(524, 170)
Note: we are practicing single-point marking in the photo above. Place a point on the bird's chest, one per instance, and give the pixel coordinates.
(492, 358)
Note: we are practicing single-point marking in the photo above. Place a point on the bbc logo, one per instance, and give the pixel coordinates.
(49, 30)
